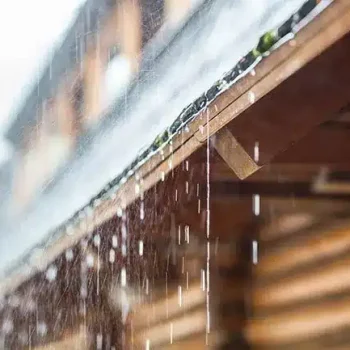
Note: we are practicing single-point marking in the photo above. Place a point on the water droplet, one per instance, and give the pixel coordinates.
(137, 188)
(255, 252)
(41, 329)
(203, 279)
(140, 247)
(147, 286)
(124, 232)
(187, 234)
(256, 205)
(114, 241)
(180, 295)
(51, 273)
(142, 211)
(119, 212)
(186, 165)
(123, 277)
(97, 240)
(256, 152)
(162, 176)
(251, 96)
(69, 255)
(111, 256)
(99, 341)
(123, 249)
(90, 260)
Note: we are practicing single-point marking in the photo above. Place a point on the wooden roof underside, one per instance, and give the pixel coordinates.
(300, 86)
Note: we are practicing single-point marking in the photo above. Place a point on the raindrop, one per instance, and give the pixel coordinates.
(51, 273)
(123, 277)
(41, 329)
(187, 234)
(162, 176)
(256, 205)
(119, 212)
(111, 256)
(251, 96)
(114, 241)
(69, 255)
(123, 231)
(142, 211)
(187, 186)
(203, 279)
(90, 260)
(147, 286)
(137, 189)
(171, 333)
(180, 295)
(186, 165)
(123, 249)
(97, 240)
(256, 152)
(255, 252)
(99, 339)
(140, 247)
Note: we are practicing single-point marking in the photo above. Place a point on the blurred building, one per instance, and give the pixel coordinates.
(96, 62)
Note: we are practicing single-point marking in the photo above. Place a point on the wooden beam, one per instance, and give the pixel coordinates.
(314, 246)
(318, 282)
(234, 154)
(300, 324)
(270, 190)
